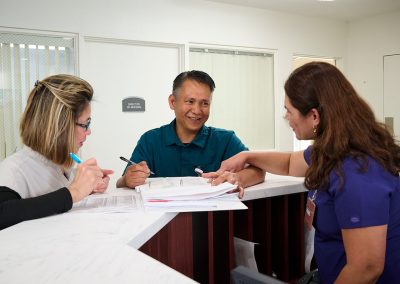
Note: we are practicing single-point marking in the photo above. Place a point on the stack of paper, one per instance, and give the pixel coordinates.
(188, 194)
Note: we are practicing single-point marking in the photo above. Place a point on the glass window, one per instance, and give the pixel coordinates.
(243, 100)
(25, 58)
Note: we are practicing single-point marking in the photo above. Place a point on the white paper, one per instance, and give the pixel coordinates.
(110, 202)
(185, 203)
(188, 194)
(169, 182)
(244, 253)
(309, 247)
(229, 202)
(156, 191)
(182, 189)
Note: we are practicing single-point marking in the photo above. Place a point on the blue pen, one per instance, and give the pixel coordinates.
(75, 158)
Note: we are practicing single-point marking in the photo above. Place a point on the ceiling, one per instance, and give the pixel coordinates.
(346, 10)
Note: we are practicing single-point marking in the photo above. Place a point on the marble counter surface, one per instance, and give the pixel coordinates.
(98, 261)
(84, 248)
(100, 247)
(275, 185)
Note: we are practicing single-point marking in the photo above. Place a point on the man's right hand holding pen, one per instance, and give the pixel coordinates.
(135, 175)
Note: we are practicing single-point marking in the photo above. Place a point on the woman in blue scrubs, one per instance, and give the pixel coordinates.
(351, 171)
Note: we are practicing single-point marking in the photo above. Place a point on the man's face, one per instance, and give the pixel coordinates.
(192, 108)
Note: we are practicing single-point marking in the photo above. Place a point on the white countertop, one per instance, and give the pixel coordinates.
(98, 247)
(275, 185)
(84, 248)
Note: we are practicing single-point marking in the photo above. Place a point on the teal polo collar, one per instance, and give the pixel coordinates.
(171, 138)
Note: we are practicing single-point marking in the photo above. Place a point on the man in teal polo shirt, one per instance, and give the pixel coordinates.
(176, 149)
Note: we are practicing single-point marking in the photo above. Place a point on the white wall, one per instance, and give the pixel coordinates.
(184, 22)
(368, 41)
(121, 69)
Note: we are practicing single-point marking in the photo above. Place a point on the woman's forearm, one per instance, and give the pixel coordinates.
(272, 162)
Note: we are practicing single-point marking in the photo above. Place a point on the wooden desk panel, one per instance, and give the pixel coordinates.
(224, 257)
(200, 245)
(173, 244)
(276, 225)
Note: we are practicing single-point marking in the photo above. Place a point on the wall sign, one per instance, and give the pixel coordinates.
(133, 104)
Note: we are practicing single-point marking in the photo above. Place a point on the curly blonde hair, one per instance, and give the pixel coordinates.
(48, 122)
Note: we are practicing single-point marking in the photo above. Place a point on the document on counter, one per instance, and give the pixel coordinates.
(188, 194)
(172, 182)
(113, 201)
(175, 194)
(183, 189)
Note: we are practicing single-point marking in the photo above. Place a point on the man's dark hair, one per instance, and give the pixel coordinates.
(198, 76)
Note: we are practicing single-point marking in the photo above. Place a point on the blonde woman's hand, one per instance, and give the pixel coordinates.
(106, 179)
(88, 178)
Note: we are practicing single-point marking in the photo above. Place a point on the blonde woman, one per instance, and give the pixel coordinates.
(36, 181)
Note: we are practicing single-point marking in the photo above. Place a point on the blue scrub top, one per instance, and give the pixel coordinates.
(370, 198)
(167, 156)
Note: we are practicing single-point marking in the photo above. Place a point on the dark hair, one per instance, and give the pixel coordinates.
(347, 124)
(198, 76)
(48, 122)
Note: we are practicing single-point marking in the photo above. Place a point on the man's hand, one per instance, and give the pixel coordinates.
(135, 175)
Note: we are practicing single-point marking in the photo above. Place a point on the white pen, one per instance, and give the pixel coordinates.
(198, 171)
(132, 163)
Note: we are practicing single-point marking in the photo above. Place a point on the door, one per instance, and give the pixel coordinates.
(391, 93)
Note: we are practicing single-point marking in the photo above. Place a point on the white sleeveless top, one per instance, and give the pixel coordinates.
(31, 174)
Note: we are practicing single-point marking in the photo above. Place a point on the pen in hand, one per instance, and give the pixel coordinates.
(75, 158)
(105, 178)
(132, 163)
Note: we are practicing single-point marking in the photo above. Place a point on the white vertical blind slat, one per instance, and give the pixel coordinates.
(16, 96)
(47, 61)
(57, 60)
(68, 56)
(27, 75)
(7, 101)
(2, 121)
(37, 58)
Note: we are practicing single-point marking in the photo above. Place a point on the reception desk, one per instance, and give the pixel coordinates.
(103, 248)
(84, 248)
(200, 245)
